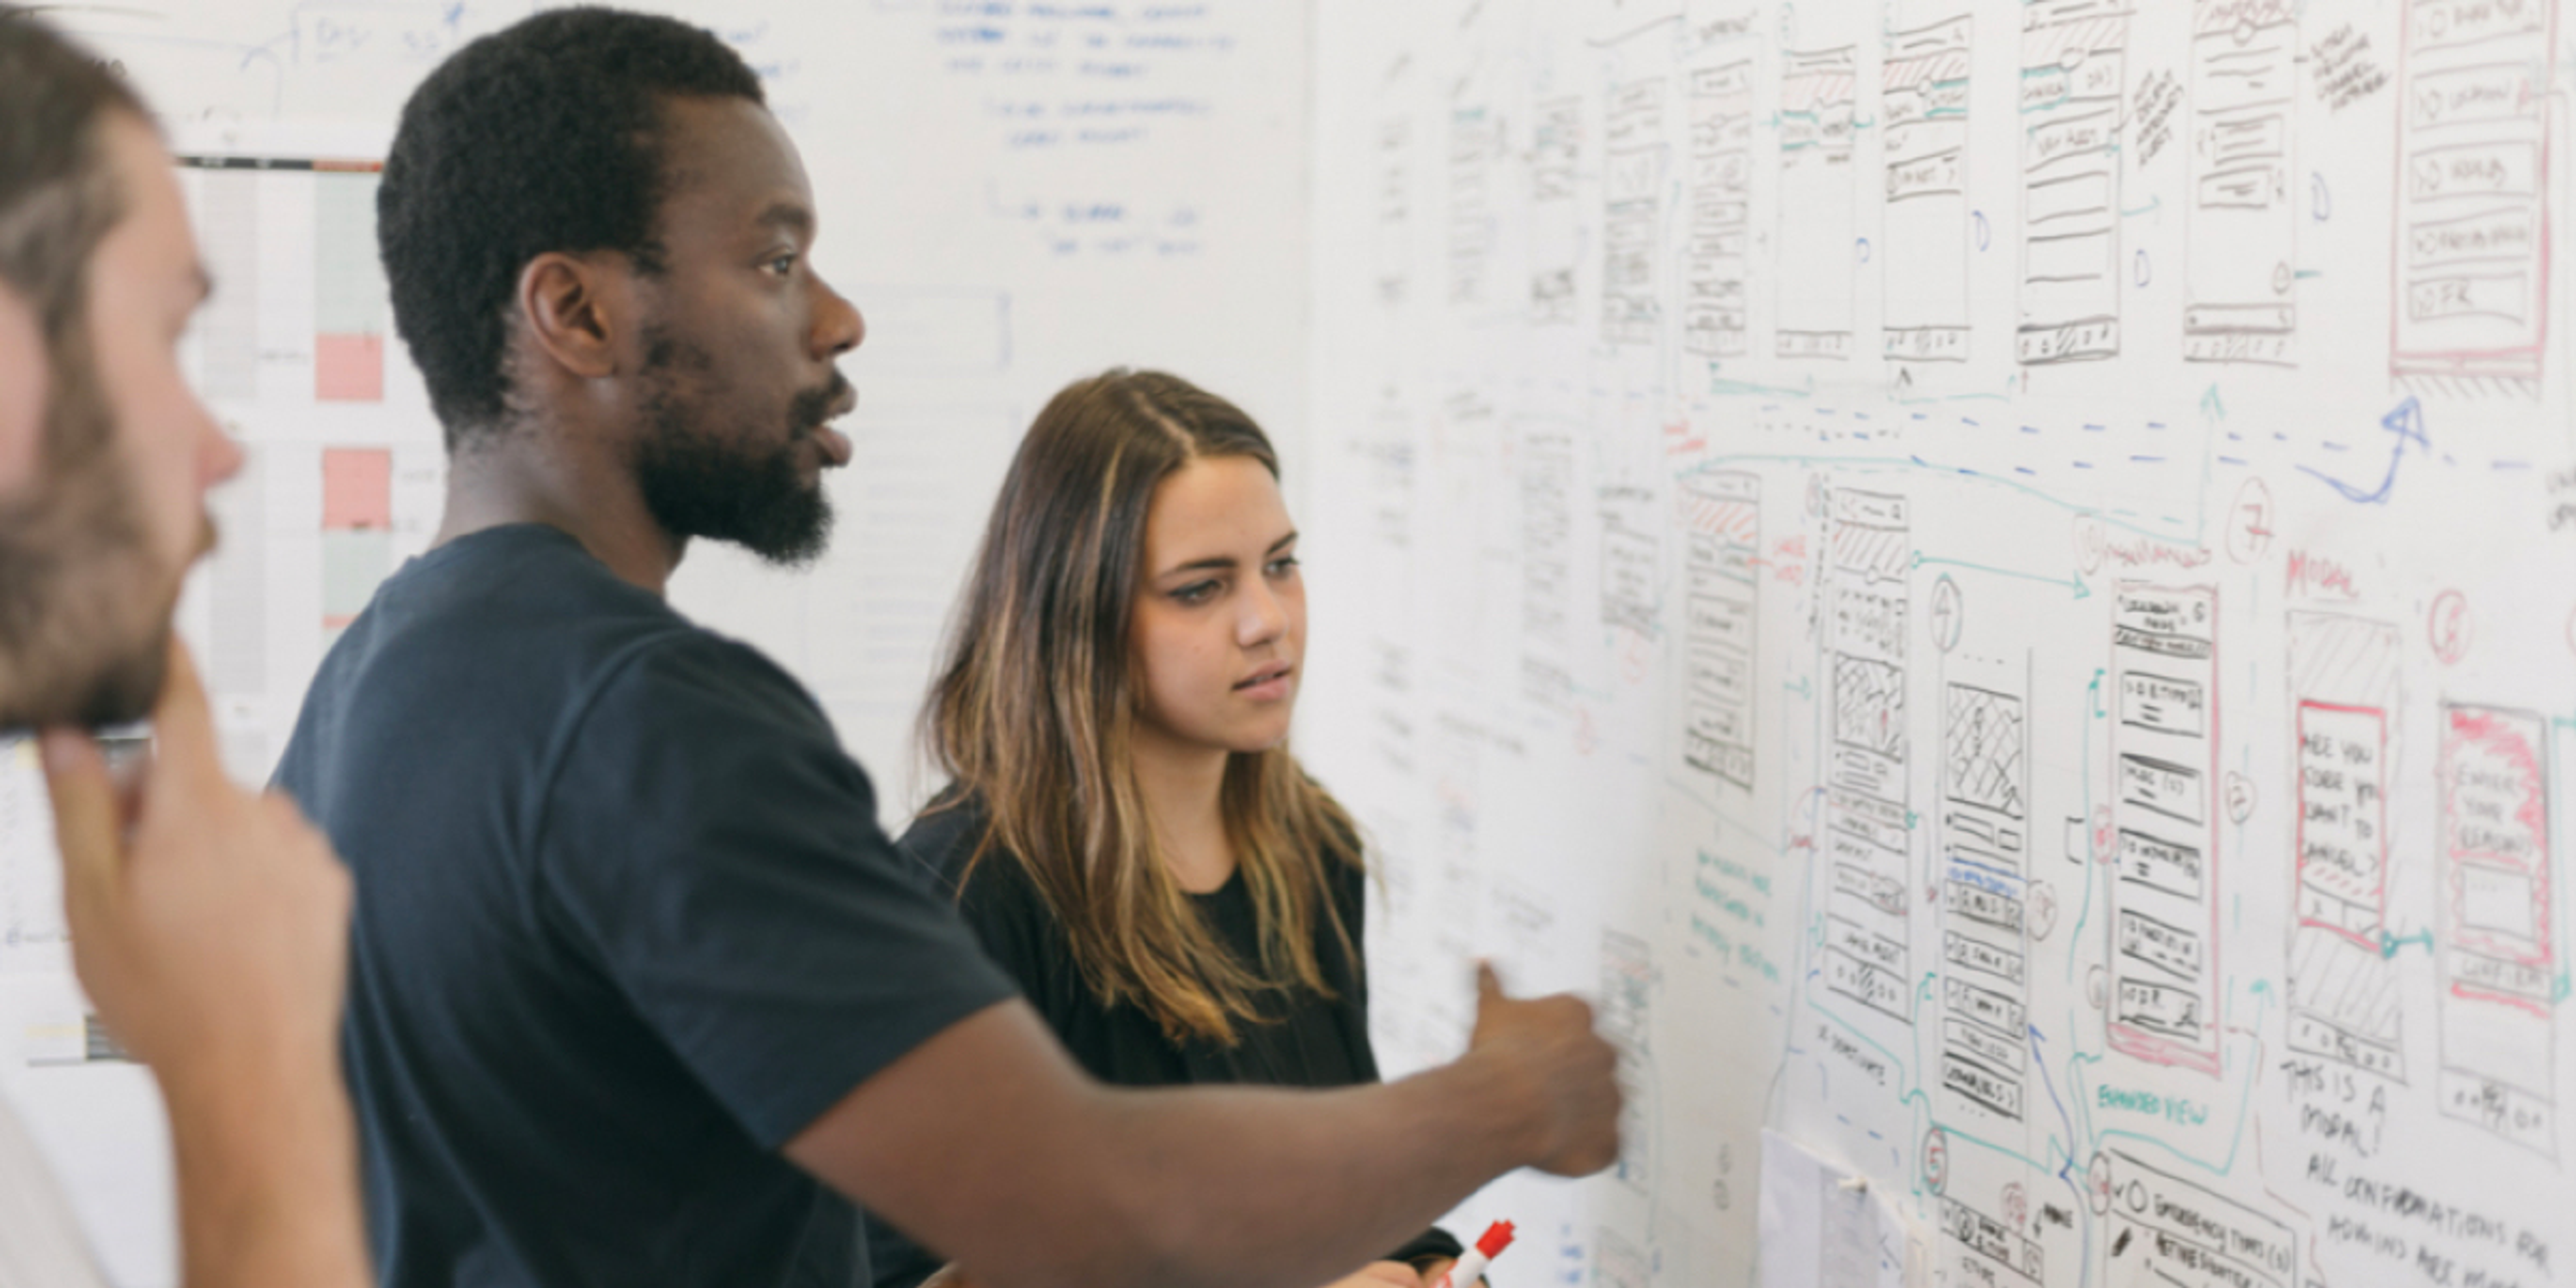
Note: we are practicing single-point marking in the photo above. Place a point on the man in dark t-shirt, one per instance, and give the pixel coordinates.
(639, 992)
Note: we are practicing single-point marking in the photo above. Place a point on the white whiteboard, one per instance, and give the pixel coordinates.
(1995, 579)
(1014, 195)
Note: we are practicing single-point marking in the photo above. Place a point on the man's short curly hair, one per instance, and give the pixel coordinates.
(542, 137)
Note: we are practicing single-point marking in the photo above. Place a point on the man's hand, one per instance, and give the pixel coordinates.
(211, 928)
(1381, 1274)
(1550, 1040)
(209, 925)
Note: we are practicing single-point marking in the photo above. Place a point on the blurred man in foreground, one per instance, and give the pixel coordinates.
(209, 925)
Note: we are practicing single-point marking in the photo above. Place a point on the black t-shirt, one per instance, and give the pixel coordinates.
(625, 924)
(1309, 1040)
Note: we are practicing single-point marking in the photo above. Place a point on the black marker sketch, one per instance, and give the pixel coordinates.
(2169, 1231)
(1556, 150)
(2470, 282)
(2343, 994)
(1475, 152)
(2074, 56)
(2498, 948)
(2244, 226)
(1632, 308)
(1926, 235)
(1722, 519)
(1714, 320)
(1868, 551)
(2164, 900)
(1815, 263)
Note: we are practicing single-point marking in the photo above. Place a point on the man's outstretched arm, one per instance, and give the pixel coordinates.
(987, 1143)
(210, 927)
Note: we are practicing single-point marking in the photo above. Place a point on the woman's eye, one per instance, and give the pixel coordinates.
(1197, 592)
(1283, 565)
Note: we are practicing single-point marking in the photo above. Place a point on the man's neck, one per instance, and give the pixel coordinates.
(529, 475)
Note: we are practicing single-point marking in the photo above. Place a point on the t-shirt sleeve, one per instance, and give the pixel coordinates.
(708, 844)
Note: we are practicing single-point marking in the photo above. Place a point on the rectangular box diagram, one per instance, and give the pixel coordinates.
(1816, 262)
(1632, 302)
(2471, 265)
(1722, 518)
(2243, 275)
(1984, 937)
(2164, 896)
(1715, 321)
(1924, 104)
(2497, 948)
(1868, 951)
(2343, 996)
(2074, 58)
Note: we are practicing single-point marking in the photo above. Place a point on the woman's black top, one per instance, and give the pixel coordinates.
(1308, 1040)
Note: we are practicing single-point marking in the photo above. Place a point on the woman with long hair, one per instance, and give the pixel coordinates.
(1124, 825)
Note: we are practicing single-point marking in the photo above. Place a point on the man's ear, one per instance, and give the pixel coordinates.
(24, 372)
(574, 308)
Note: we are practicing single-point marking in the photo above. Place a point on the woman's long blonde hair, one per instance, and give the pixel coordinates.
(1036, 708)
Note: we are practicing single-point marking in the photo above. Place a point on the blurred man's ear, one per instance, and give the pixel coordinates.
(22, 391)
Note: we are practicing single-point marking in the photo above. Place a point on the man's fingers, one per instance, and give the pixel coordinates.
(1489, 986)
(86, 818)
(183, 725)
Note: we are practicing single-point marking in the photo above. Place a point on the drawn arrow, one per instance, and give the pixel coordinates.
(1802, 688)
(2407, 423)
(2072, 581)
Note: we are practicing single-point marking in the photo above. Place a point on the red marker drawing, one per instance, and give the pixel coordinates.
(1466, 1270)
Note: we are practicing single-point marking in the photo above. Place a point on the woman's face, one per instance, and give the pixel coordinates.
(1219, 625)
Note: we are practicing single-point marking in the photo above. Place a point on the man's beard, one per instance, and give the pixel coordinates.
(84, 620)
(699, 484)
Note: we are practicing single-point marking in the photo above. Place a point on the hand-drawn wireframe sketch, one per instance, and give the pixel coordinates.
(1476, 150)
(1991, 1251)
(2243, 223)
(1715, 319)
(1555, 240)
(1815, 268)
(1627, 1020)
(1867, 941)
(1547, 566)
(1394, 209)
(1637, 155)
(1631, 559)
(1985, 942)
(2074, 58)
(1722, 519)
(2343, 989)
(2168, 1231)
(2470, 286)
(2164, 900)
(2498, 948)
(1926, 234)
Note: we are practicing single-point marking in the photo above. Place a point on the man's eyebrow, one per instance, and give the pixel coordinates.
(789, 215)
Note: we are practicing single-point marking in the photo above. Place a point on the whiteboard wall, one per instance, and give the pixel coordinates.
(1995, 580)
(1014, 195)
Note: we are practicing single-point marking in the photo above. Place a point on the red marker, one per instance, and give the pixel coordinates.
(1466, 1270)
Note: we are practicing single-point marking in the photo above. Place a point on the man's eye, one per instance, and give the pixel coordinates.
(782, 264)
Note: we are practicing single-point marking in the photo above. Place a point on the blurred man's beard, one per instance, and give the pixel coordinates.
(699, 481)
(84, 620)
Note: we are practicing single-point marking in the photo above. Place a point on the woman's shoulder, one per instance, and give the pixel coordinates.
(950, 837)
